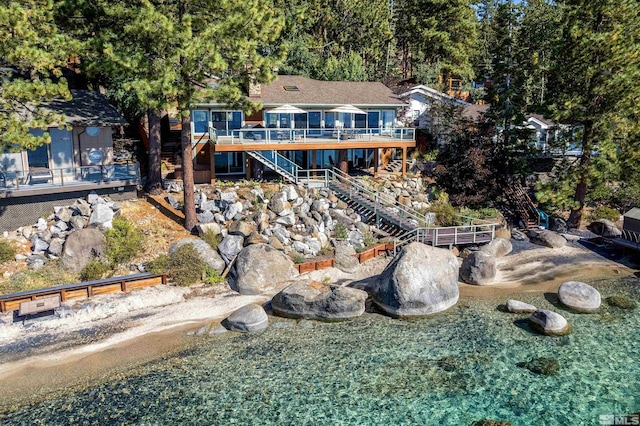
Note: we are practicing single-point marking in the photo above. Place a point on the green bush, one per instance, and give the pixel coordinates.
(51, 274)
(159, 265)
(369, 239)
(95, 270)
(124, 241)
(7, 251)
(604, 212)
(185, 267)
(445, 213)
(298, 258)
(213, 277)
(212, 238)
(341, 231)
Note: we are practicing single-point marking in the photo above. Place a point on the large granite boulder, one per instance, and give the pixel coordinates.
(81, 247)
(259, 267)
(420, 280)
(101, 217)
(558, 224)
(206, 253)
(318, 301)
(499, 247)
(549, 323)
(579, 297)
(230, 246)
(241, 227)
(478, 268)
(547, 238)
(518, 307)
(248, 318)
(279, 204)
(604, 228)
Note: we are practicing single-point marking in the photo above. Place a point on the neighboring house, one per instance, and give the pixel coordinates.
(545, 131)
(421, 99)
(306, 121)
(78, 159)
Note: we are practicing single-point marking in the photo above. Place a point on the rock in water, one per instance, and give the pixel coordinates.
(206, 253)
(318, 301)
(549, 323)
(518, 307)
(420, 280)
(247, 318)
(579, 297)
(478, 268)
(542, 366)
(499, 247)
(547, 238)
(259, 267)
(81, 247)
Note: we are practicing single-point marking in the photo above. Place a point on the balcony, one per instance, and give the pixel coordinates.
(255, 136)
(68, 179)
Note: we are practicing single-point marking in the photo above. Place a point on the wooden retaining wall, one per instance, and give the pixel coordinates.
(363, 256)
(83, 290)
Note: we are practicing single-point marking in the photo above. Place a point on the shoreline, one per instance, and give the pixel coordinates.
(164, 331)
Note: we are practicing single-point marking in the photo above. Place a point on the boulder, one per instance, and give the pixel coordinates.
(543, 366)
(39, 246)
(209, 206)
(499, 247)
(288, 220)
(63, 213)
(558, 224)
(203, 228)
(318, 301)
(279, 203)
(420, 280)
(604, 228)
(546, 238)
(248, 318)
(55, 247)
(81, 247)
(232, 210)
(290, 192)
(206, 253)
(518, 235)
(230, 246)
(478, 268)
(36, 262)
(101, 217)
(579, 297)
(256, 238)
(206, 217)
(173, 202)
(347, 264)
(518, 307)
(259, 267)
(549, 323)
(82, 207)
(78, 222)
(239, 227)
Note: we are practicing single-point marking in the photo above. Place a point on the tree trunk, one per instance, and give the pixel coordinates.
(154, 174)
(583, 174)
(190, 220)
(343, 160)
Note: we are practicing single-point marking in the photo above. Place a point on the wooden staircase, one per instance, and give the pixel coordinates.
(525, 208)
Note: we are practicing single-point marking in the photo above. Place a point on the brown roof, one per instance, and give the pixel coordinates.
(474, 112)
(326, 93)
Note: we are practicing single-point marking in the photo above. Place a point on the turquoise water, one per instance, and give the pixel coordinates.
(453, 369)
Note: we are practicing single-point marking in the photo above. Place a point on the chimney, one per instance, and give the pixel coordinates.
(254, 90)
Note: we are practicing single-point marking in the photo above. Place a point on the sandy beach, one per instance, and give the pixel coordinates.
(117, 332)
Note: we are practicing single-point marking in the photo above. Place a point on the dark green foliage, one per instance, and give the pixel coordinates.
(369, 239)
(95, 270)
(7, 251)
(124, 241)
(185, 267)
(604, 212)
(621, 302)
(212, 239)
(298, 258)
(213, 277)
(341, 231)
(159, 265)
(445, 213)
(489, 422)
(543, 366)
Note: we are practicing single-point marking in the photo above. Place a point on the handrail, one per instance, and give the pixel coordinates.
(275, 163)
(458, 231)
(276, 135)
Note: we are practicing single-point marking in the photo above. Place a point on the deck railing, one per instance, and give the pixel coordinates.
(270, 136)
(69, 176)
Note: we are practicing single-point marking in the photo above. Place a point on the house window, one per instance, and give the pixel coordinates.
(226, 121)
(315, 119)
(330, 120)
(200, 121)
(388, 118)
(360, 121)
(416, 114)
(300, 121)
(373, 119)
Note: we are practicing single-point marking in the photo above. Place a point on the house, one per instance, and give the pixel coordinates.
(79, 159)
(303, 124)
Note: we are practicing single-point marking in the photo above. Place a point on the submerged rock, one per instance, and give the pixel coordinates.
(579, 297)
(543, 366)
(621, 302)
(549, 323)
(315, 300)
(518, 307)
(489, 422)
(420, 280)
(478, 268)
(259, 267)
(248, 318)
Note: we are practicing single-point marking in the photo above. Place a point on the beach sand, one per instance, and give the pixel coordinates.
(115, 333)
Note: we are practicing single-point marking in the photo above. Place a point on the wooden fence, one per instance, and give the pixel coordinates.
(363, 256)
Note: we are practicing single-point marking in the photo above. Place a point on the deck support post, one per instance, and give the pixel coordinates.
(404, 162)
(212, 162)
(248, 167)
(376, 161)
(313, 162)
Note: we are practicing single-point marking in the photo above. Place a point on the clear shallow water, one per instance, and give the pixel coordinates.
(453, 369)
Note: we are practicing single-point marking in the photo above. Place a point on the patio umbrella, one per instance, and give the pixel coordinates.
(348, 109)
(286, 109)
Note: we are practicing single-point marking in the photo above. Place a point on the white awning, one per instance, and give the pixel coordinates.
(348, 109)
(286, 109)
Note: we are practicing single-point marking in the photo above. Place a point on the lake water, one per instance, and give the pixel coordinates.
(453, 369)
